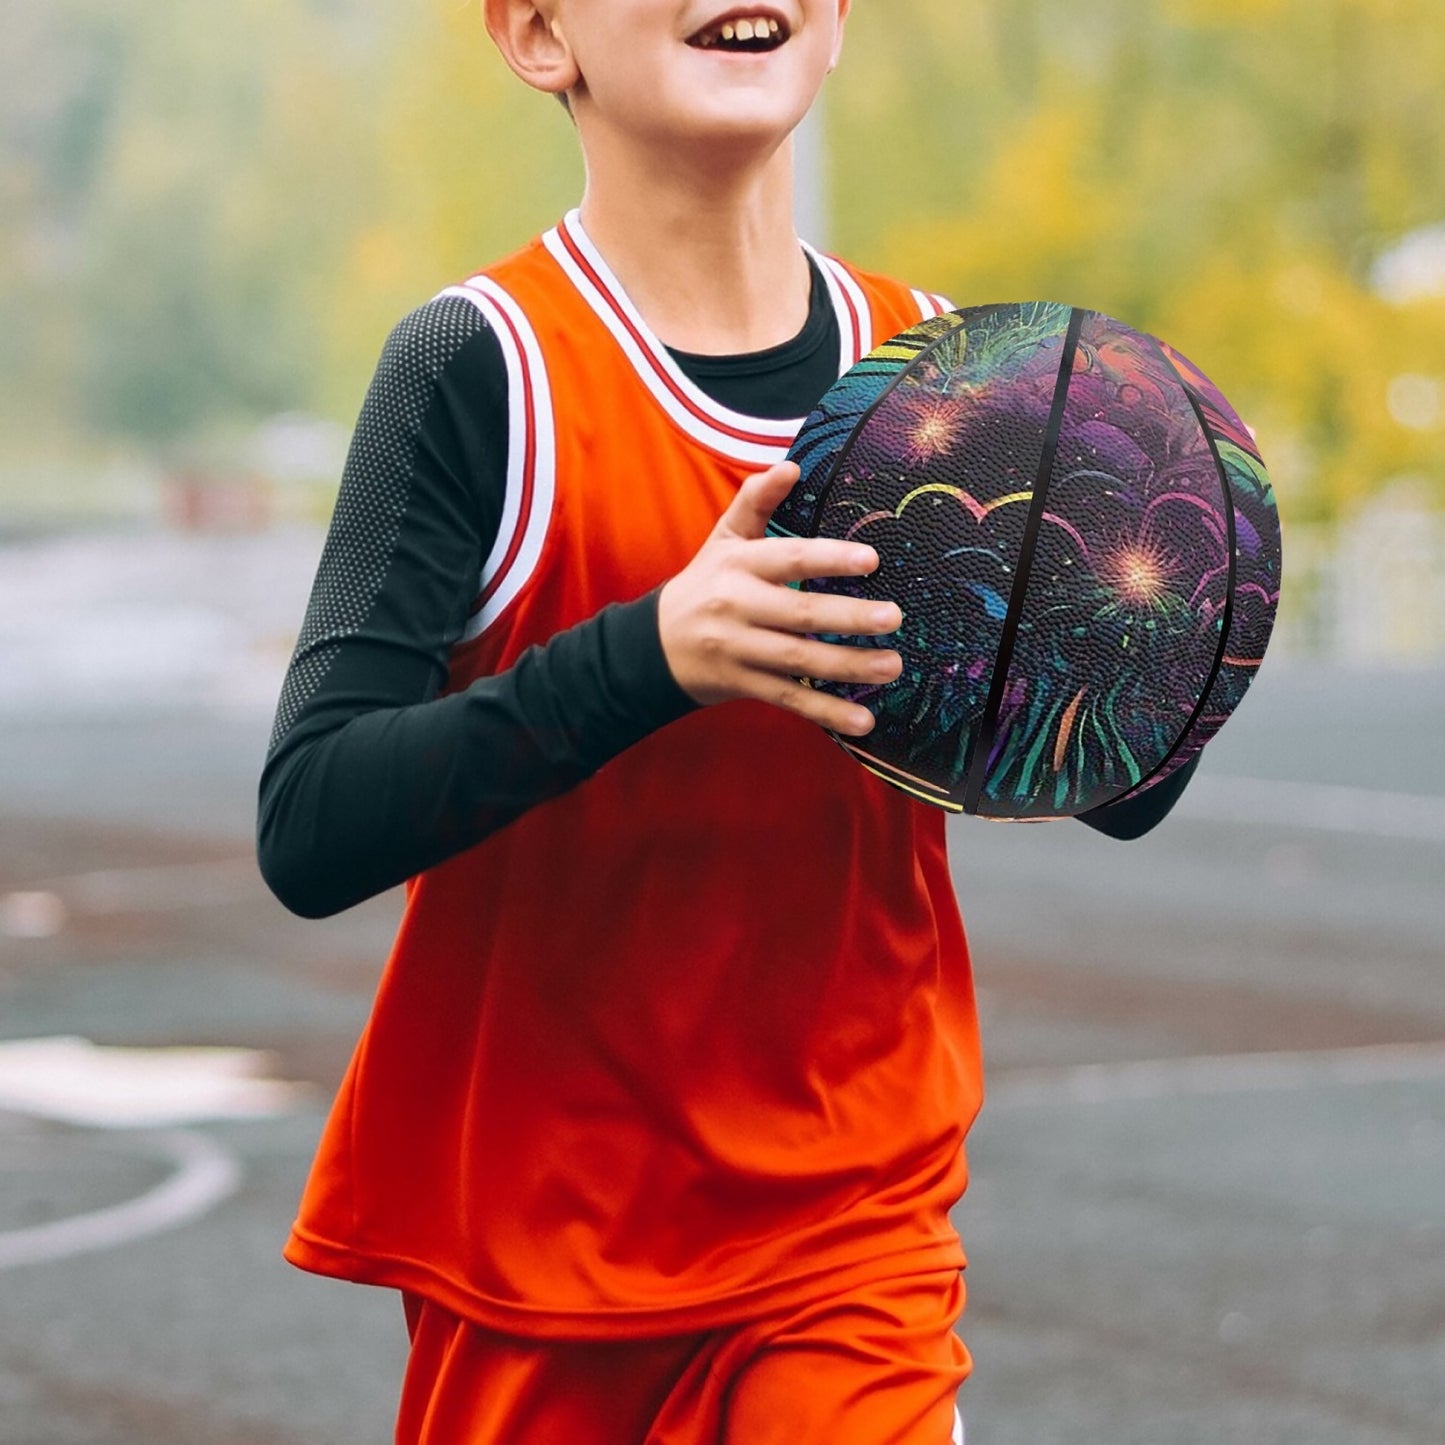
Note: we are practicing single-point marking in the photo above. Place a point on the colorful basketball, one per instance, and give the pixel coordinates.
(1082, 538)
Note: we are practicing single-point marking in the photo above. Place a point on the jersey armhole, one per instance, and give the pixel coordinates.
(531, 483)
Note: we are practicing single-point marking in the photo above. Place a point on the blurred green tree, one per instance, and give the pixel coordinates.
(212, 214)
(185, 189)
(468, 164)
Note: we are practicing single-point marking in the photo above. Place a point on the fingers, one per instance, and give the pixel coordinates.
(788, 559)
(801, 559)
(733, 625)
(757, 500)
(785, 609)
(772, 662)
(848, 719)
(829, 662)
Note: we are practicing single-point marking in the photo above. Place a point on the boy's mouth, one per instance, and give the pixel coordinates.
(744, 32)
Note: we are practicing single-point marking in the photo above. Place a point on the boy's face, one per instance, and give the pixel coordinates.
(722, 72)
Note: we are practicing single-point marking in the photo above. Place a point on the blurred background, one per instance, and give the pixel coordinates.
(211, 221)
(1209, 1197)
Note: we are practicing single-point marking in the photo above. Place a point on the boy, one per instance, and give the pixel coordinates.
(660, 1111)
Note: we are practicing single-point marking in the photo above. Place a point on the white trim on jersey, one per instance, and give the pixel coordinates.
(756, 440)
(957, 1438)
(930, 305)
(531, 454)
(759, 441)
(855, 316)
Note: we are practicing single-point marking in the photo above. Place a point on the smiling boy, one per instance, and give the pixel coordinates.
(659, 1114)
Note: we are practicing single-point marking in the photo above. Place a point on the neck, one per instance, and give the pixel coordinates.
(708, 254)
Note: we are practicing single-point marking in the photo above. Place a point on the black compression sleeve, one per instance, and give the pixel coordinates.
(370, 777)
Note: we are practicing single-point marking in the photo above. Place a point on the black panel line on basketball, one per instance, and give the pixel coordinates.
(977, 766)
(1222, 651)
(861, 425)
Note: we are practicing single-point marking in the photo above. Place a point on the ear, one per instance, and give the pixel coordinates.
(532, 43)
(844, 6)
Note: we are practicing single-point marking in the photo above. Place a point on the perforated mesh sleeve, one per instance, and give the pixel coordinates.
(380, 482)
(371, 777)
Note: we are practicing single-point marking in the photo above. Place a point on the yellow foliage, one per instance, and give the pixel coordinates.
(1219, 172)
(1232, 13)
(266, 188)
(472, 164)
(1038, 219)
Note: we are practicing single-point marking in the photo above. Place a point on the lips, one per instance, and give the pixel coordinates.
(744, 32)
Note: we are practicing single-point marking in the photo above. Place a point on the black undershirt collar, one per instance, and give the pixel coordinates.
(784, 381)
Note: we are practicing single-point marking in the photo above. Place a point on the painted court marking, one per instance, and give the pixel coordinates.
(74, 1081)
(103, 1087)
(204, 1176)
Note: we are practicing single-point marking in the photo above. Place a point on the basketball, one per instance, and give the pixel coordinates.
(1083, 540)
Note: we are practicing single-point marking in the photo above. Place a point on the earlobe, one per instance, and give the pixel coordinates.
(532, 43)
(844, 6)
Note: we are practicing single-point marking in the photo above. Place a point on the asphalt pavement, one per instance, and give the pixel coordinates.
(1208, 1197)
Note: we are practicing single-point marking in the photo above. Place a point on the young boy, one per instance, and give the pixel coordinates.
(659, 1115)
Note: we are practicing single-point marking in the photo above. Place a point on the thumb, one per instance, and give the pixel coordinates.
(757, 499)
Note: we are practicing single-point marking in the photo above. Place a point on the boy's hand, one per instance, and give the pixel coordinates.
(732, 627)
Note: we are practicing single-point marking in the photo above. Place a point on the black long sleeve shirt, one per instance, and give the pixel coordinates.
(371, 776)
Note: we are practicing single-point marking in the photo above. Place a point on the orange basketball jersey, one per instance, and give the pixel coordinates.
(696, 1039)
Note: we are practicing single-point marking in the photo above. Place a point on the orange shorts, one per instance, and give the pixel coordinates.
(881, 1366)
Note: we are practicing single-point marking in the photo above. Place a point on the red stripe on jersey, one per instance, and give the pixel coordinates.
(659, 371)
(529, 465)
(856, 320)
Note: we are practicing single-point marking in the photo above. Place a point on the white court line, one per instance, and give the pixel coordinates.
(1325, 807)
(205, 1175)
(105, 1086)
(1217, 1074)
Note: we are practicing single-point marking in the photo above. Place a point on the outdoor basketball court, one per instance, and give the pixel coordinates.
(1209, 1182)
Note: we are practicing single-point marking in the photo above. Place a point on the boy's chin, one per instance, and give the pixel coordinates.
(737, 124)
(721, 123)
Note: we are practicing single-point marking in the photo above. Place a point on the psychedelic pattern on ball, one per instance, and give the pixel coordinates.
(1082, 540)
(1117, 638)
(1258, 559)
(826, 432)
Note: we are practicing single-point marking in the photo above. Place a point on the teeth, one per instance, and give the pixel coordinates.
(759, 28)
